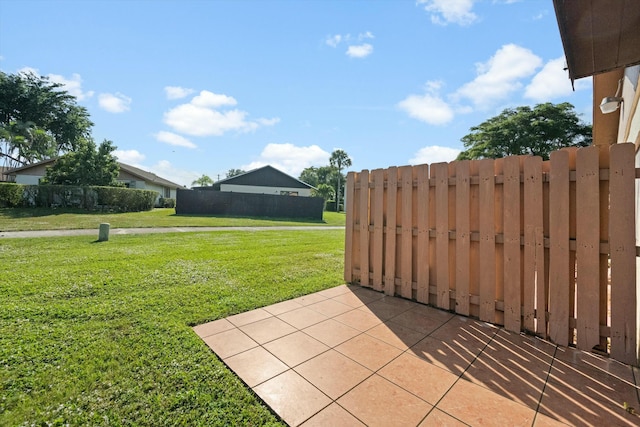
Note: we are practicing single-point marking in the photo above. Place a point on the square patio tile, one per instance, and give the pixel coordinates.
(420, 320)
(586, 360)
(302, 317)
(330, 307)
(333, 373)
(249, 317)
(331, 332)
(358, 319)
(587, 396)
(387, 307)
(396, 335)
(229, 343)
(367, 295)
(368, 351)
(267, 330)
(514, 366)
(292, 397)
(255, 366)
(333, 415)
(213, 328)
(335, 291)
(469, 332)
(450, 355)
(295, 348)
(378, 402)
(478, 406)
(350, 298)
(282, 307)
(437, 418)
(309, 299)
(544, 421)
(420, 377)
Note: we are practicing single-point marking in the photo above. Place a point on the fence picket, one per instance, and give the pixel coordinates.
(377, 216)
(623, 253)
(390, 232)
(512, 283)
(364, 228)
(559, 248)
(441, 172)
(534, 288)
(462, 237)
(487, 240)
(348, 227)
(423, 234)
(406, 256)
(588, 247)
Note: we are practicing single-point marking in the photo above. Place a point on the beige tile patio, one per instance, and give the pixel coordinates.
(249, 317)
(368, 351)
(292, 397)
(267, 330)
(451, 355)
(302, 317)
(282, 307)
(333, 373)
(331, 332)
(333, 415)
(387, 307)
(295, 348)
(358, 319)
(378, 402)
(330, 307)
(478, 406)
(437, 418)
(213, 328)
(396, 335)
(420, 377)
(229, 343)
(255, 366)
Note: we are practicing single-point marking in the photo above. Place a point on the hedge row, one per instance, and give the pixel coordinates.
(90, 198)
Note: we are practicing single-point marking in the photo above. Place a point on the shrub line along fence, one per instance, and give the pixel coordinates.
(546, 247)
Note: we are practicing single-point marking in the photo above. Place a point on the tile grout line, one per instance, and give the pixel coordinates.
(544, 387)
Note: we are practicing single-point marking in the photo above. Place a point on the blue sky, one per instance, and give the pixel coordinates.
(192, 87)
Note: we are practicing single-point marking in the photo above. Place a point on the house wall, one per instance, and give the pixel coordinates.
(258, 189)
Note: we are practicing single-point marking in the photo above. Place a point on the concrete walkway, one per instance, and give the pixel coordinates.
(151, 230)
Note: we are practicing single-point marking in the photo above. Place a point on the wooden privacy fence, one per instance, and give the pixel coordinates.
(546, 247)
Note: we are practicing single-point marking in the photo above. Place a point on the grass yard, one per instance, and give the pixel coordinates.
(100, 333)
(21, 219)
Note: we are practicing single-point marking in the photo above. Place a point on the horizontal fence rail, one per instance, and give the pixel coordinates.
(546, 247)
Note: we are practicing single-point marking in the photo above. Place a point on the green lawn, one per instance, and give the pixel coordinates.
(100, 333)
(16, 219)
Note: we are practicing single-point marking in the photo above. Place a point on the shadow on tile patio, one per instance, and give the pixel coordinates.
(349, 356)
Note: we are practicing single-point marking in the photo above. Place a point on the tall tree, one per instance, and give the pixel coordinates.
(234, 172)
(203, 181)
(339, 159)
(38, 119)
(524, 130)
(85, 166)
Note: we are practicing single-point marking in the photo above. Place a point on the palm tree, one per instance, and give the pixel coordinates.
(339, 159)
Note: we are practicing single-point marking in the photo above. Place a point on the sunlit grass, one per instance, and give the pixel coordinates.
(13, 219)
(100, 333)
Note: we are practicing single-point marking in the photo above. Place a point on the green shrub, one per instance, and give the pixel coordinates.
(117, 199)
(11, 194)
(166, 202)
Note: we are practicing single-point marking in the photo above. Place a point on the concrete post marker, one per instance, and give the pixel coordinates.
(103, 234)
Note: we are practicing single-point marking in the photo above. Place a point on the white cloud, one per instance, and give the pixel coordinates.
(445, 12)
(360, 51)
(210, 99)
(500, 75)
(366, 35)
(114, 103)
(131, 157)
(72, 85)
(334, 40)
(434, 154)
(430, 107)
(174, 139)
(553, 82)
(166, 170)
(177, 92)
(201, 117)
(289, 158)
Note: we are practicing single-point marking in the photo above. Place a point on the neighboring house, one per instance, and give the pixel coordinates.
(3, 177)
(264, 180)
(130, 176)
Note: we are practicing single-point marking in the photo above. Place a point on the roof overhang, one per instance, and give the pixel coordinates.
(598, 35)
